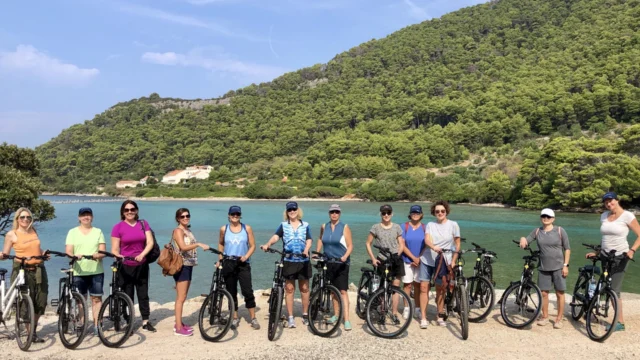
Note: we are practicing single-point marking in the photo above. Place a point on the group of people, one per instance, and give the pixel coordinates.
(415, 248)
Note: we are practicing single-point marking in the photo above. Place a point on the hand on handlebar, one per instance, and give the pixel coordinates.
(590, 255)
(264, 247)
(523, 243)
(375, 262)
(437, 249)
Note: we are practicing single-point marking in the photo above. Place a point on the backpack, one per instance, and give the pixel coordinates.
(170, 260)
(153, 255)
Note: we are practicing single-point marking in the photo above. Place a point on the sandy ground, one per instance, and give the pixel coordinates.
(488, 340)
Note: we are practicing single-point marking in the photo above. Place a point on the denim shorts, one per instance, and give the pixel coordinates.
(92, 283)
(427, 272)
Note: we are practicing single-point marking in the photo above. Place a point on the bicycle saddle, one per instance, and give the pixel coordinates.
(596, 270)
(3, 271)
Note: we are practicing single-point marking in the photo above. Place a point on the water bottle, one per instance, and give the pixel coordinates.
(375, 283)
(592, 287)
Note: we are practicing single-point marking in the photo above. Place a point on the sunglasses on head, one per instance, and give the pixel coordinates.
(188, 216)
(128, 210)
(292, 210)
(386, 213)
(235, 214)
(334, 212)
(440, 211)
(25, 217)
(546, 217)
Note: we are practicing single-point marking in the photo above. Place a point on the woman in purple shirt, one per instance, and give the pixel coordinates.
(133, 238)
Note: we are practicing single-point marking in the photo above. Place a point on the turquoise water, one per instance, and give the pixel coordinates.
(493, 228)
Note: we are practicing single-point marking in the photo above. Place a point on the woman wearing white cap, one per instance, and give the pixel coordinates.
(553, 244)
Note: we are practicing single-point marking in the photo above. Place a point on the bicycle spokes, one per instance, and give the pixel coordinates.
(602, 316)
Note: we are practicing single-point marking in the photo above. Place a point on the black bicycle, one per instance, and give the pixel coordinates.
(71, 306)
(599, 298)
(482, 294)
(276, 296)
(370, 281)
(325, 303)
(521, 302)
(216, 312)
(379, 309)
(456, 298)
(116, 316)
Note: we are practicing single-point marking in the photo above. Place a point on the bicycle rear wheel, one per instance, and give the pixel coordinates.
(325, 311)
(115, 320)
(521, 304)
(602, 315)
(481, 298)
(579, 297)
(72, 320)
(379, 313)
(463, 310)
(216, 314)
(275, 308)
(488, 273)
(25, 324)
(363, 294)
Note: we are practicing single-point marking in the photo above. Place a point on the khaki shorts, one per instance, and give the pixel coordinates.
(549, 280)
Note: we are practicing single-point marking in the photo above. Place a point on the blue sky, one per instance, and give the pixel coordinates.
(63, 61)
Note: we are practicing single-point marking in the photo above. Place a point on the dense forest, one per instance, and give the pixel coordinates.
(527, 102)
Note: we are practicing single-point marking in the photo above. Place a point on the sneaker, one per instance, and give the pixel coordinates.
(405, 313)
(184, 326)
(394, 319)
(305, 319)
(254, 324)
(619, 327)
(292, 322)
(235, 323)
(332, 320)
(95, 331)
(347, 325)
(148, 327)
(441, 322)
(182, 332)
(557, 325)
(39, 340)
(424, 324)
(542, 321)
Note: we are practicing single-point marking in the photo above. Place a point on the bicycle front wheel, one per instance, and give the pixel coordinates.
(579, 297)
(463, 311)
(602, 315)
(325, 311)
(25, 324)
(115, 320)
(72, 320)
(521, 304)
(216, 314)
(380, 315)
(275, 308)
(481, 298)
(363, 294)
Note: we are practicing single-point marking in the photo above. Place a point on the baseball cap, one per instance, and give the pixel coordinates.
(386, 208)
(85, 210)
(548, 212)
(415, 209)
(609, 195)
(334, 207)
(235, 209)
(292, 205)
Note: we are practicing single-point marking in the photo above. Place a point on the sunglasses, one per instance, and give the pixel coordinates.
(545, 217)
(25, 217)
(188, 216)
(440, 211)
(130, 210)
(292, 210)
(235, 214)
(386, 213)
(334, 212)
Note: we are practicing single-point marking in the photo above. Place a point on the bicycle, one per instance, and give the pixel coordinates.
(480, 286)
(70, 305)
(17, 297)
(276, 295)
(600, 299)
(456, 298)
(116, 316)
(379, 306)
(521, 302)
(215, 315)
(325, 303)
(370, 281)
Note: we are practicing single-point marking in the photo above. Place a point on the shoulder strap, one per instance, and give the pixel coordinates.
(424, 227)
(406, 228)
(224, 236)
(537, 231)
(560, 232)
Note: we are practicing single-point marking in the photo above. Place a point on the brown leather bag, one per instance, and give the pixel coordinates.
(170, 260)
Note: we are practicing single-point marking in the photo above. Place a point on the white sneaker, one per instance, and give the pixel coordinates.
(424, 324)
(405, 313)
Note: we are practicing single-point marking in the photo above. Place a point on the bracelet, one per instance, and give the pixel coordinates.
(632, 250)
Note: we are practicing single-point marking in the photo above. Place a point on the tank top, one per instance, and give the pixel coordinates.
(189, 257)
(27, 245)
(236, 244)
(333, 241)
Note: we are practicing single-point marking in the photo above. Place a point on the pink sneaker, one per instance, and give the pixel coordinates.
(182, 332)
(184, 326)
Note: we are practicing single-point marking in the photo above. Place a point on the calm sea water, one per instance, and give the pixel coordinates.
(493, 228)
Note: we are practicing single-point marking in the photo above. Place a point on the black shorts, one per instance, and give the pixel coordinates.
(396, 269)
(338, 274)
(296, 270)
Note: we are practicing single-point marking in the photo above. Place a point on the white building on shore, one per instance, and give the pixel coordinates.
(200, 172)
(123, 184)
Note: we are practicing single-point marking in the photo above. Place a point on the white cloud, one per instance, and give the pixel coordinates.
(27, 59)
(416, 11)
(218, 62)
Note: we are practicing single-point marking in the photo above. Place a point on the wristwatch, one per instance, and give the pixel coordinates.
(565, 265)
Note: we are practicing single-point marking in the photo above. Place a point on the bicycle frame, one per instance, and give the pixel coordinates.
(8, 296)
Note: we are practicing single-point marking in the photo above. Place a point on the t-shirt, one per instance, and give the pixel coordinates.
(295, 240)
(132, 240)
(442, 235)
(614, 233)
(386, 238)
(552, 245)
(413, 239)
(86, 245)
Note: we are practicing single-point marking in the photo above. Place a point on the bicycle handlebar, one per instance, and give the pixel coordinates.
(118, 258)
(37, 257)
(76, 257)
(383, 250)
(215, 251)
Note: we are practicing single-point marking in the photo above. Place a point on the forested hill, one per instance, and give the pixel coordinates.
(483, 80)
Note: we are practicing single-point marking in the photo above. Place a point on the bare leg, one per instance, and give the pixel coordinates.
(407, 290)
(182, 287)
(424, 299)
(96, 304)
(395, 297)
(345, 304)
(303, 285)
(416, 294)
(440, 298)
(620, 317)
(290, 288)
(545, 304)
(560, 297)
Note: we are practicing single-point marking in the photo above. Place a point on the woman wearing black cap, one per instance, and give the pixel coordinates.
(236, 239)
(88, 274)
(615, 223)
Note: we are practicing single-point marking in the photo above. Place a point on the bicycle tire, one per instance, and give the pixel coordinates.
(275, 308)
(525, 288)
(463, 311)
(25, 316)
(376, 304)
(320, 307)
(75, 315)
(361, 302)
(594, 305)
(119, 307)
(579, 291)
(488, 272)
(211, 313)
(480, 292)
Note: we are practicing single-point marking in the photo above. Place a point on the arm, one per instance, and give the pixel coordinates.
(525, 241)
(221, 244)
(348, 240)
(369, 251)
(633, 225)
(115, 246)
(252, 244)
(454, 258)
(309, 242)
(178, 237)
(8, 243)
(408, 253)
(319, 246)
(148, 247)
(69, 250)
(101, 247)
(429, 242)
(401, 245)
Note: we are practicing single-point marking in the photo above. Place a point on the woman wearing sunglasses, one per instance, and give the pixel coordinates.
(553, 244)
(186, 246)
(24, 240)
(296, 236)
(132, 237)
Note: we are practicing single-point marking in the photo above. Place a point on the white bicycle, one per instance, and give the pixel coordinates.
(16, 300)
